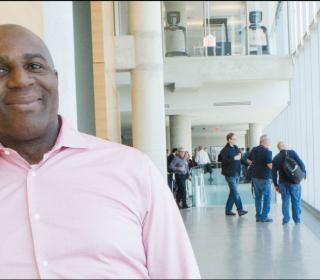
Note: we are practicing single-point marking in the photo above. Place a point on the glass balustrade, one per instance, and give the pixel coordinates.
(217, 28)
(211, 189)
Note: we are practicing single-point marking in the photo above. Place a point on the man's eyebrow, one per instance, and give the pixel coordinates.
(34, 55)
(4, 58)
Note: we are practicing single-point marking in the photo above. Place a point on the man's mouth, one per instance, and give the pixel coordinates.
(25, 103)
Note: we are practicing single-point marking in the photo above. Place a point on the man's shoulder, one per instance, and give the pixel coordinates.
(278, 157)
(106, 146)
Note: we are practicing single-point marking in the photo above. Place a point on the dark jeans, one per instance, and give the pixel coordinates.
(182, 189)
(234, 196)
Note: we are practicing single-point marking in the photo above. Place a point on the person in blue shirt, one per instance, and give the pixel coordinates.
(230, 157)
(261, 160)
(285, 187)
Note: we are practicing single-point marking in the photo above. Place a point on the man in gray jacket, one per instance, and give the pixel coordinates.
(179, 166)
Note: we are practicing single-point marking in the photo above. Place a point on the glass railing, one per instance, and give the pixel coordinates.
(208, 187)
(217, 28)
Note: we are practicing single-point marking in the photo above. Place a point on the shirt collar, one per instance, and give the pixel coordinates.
(69, 137)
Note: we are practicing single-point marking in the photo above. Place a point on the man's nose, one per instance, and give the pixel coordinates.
(19, 78)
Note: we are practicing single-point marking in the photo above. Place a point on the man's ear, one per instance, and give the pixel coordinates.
(56, 74)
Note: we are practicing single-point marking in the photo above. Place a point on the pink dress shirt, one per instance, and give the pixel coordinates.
(89, 209)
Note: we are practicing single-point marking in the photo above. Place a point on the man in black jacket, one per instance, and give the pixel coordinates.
(230, 156)
(284, 186)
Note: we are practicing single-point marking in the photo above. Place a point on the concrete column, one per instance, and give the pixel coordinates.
(147, 86)
(180, 132)
(175, 40)
(106, 100)
(246, 139)
(255, 131)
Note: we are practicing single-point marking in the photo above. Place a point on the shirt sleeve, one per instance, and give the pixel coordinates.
(197, 157)
(167, 246)
(172, 165)
(207, 158)
(275, 169)
(268, 157)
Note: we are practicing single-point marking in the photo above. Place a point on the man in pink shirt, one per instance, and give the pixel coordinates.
(72, 205)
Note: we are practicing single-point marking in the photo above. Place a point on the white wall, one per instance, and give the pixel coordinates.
(58, 35)
(299, 124)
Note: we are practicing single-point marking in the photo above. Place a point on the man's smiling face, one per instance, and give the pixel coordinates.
(28, 85)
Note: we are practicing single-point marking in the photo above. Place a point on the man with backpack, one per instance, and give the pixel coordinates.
(291, 171)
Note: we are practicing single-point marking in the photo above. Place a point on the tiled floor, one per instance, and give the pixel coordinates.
(232, 247)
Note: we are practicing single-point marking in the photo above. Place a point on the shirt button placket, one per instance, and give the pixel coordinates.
(35, 219)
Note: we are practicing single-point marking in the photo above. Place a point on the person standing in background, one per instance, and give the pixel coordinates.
(285, 186)
(180, 167)
(230, 157)
(261, 160)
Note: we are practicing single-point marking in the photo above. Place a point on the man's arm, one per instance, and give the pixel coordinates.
(269, 160)
(275, 169)
(173, 166)
(207, 158)
(197, 157)
(228, 158)
(250, 157)
(168, 250)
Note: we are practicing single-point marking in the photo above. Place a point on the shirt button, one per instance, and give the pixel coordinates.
(45, 263)
(37, 217)
(7, 153)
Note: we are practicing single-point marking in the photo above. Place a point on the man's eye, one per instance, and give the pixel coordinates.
(34, 66)
(3, 70)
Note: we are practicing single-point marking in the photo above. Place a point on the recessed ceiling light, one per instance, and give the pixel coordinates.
(238, 103)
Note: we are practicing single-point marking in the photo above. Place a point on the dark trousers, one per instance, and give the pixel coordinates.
(182, 189)
(234, 196)
(170, 182)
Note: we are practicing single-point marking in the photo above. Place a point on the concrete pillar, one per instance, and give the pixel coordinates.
(106, 100)
(174, 39)
(180, 132)
(147, 86)
(246, 139)
(255, 131)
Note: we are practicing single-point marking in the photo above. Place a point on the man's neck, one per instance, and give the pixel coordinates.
(33, 150)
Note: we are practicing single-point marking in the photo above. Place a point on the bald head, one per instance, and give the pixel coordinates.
(10, 32)
(28, 85)
(281, 146)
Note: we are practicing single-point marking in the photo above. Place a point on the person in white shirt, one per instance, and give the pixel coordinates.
(202, 157)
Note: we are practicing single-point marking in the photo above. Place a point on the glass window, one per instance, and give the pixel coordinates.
(261, 17)
(226, 21)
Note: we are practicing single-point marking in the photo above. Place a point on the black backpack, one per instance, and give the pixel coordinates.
(292, 169)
